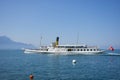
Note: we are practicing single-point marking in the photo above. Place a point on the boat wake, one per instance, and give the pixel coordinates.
(28, 52)
(113, 54)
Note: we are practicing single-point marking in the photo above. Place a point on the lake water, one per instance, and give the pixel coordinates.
(16, 65)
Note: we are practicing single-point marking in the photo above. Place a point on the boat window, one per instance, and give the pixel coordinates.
(81, 49)
(77, 49)
(94, 49)
(90, 49)
(87, 49)
(84, 49)
(69, 49)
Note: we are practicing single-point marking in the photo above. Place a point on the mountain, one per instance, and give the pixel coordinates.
(7, 43)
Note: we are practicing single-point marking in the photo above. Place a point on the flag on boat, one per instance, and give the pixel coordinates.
(111, 48)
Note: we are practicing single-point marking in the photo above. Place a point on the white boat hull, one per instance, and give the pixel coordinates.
(64, 52)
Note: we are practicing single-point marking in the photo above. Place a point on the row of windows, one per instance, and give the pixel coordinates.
(71, 47)
(82, 49)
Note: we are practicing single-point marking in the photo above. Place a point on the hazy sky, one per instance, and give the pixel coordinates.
(96, 22)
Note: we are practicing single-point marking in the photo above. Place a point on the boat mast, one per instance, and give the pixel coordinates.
(40, 41)
(77, 38)
(77, 41)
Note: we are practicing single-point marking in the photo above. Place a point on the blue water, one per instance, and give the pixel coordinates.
(16, 65)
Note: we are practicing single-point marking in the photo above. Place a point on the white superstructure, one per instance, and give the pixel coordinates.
(55, 48)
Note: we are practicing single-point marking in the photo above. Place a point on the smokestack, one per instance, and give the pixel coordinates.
(57, 41)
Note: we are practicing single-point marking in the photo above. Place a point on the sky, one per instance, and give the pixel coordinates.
(91, 22)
